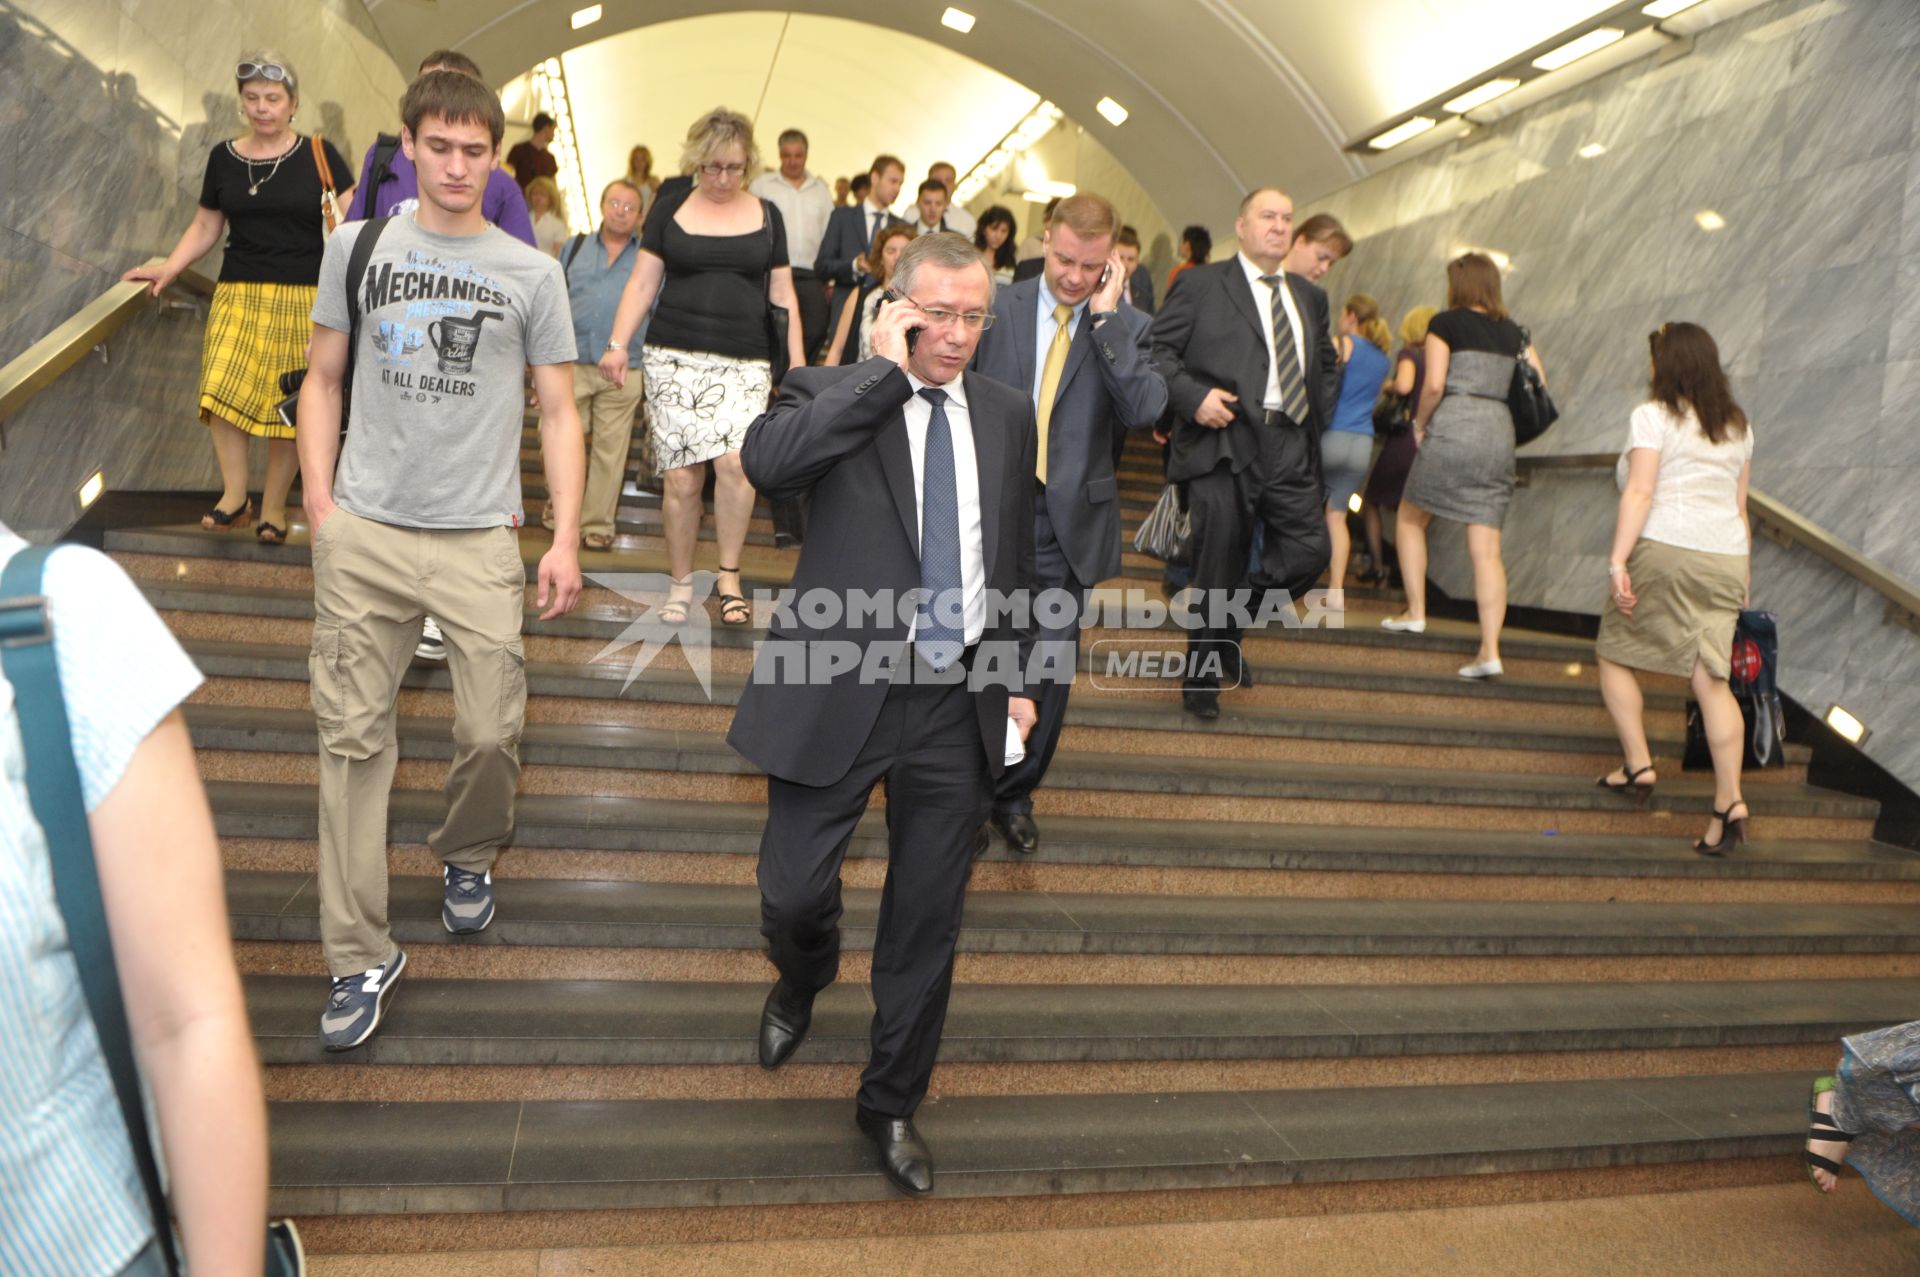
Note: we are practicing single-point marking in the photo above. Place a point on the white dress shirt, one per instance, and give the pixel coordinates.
(1263, 296)
(804, 208)
(960, 221)
(966, 473)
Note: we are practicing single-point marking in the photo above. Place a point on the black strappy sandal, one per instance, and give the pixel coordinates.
(1641, 793)
(1732, 832)
(218, 520)
(734, 610)
(270, 533)
(1821, 1129)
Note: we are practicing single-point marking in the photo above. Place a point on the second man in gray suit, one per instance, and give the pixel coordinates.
(1064, 338)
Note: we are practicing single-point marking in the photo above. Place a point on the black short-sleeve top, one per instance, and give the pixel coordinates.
(1464, 329)
(713, 297)
(275, 234)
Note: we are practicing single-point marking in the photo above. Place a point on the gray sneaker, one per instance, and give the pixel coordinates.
(357, 1002)
(468, 904)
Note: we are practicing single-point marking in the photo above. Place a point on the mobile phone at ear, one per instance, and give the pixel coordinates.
(913, 334)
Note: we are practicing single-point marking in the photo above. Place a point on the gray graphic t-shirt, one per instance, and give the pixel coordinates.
(448, 325)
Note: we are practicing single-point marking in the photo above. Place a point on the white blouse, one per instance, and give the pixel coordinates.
(1696, 496)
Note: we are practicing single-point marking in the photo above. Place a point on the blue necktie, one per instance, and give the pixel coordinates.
(939, 644)
(871, 235)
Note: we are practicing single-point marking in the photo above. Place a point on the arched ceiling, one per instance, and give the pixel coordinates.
(1223, 94)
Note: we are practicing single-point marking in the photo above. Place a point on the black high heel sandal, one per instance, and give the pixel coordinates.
(1642, 794)
(218, 520)
(1821, 1129)
(1732, 832)
(734, 610)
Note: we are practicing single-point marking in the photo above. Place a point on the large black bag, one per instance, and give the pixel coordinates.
(1167, 531)
(1756, 658)
(1532, 407)
(1392, 413)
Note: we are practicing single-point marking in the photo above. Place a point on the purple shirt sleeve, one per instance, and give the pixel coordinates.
(506, 208)
(357, 211)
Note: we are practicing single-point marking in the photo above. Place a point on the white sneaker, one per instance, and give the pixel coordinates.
(1482, 669)
(432, 646)
(1399, 626)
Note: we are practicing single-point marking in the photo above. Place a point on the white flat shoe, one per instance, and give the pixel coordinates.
(1482, 669)
(1399, 626)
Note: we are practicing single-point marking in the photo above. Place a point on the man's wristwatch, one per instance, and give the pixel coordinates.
(616, 345)
(1098, 315)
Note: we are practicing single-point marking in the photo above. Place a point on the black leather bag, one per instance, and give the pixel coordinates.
(1756, 661)
(1167, 531)
(778, 321)
(1532, 407)
(1392, 413)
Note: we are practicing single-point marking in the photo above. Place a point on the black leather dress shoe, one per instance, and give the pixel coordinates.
(904, 1158)
(1201, 704)
(1018, 829)
(783, 1024)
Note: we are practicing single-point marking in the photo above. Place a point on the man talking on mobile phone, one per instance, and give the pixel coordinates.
(920, 475)
(1063, 337)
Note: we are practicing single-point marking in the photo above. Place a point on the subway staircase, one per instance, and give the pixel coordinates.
(1372, 941)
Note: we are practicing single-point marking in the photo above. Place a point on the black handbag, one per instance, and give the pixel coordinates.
(1392, 413)
(1167, 531)
(778, 321)
(1529, 403)
(53, 790)
(1755, 660)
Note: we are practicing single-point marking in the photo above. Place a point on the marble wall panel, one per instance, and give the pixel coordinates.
(1799, 123)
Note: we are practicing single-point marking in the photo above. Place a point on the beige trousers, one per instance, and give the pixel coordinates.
(606, 414)
(373, 583)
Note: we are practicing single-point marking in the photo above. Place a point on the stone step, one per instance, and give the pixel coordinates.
(1249, 857)
(613, 1022)
(485, 1158)
(536, 913)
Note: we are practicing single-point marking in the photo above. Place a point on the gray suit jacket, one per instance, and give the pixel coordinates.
(1108, 388)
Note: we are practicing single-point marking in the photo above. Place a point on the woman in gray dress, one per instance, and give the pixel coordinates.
(1867, 1114)
(1464, 432)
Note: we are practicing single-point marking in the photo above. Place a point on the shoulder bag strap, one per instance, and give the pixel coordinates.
(53, 785)
(357, 262)
(573, 251)
(329, 204)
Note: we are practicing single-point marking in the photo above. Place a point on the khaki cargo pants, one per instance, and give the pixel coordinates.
(373, 583)
(607, 414)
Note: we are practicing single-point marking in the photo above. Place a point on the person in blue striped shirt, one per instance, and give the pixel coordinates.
(71, 1204)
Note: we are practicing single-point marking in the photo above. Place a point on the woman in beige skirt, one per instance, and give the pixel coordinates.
(1679, 567)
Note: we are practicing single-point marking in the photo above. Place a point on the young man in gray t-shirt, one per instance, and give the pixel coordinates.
(422, 515)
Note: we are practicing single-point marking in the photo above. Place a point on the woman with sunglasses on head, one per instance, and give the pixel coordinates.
(1678, 572)
(713, 256)
(263, 190)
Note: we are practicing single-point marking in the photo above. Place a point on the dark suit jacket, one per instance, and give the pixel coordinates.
(849, 231)
(1211, 332)
(1108, 387)
(1140, 290)
(839, 435)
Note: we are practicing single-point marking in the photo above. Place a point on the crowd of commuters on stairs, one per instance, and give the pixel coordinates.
(945, 402)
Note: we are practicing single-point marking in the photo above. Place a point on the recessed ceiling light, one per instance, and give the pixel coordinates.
(1667, 8)
(1708, 220)
(1115, 113)
(1849, 727)
(1401, 132)
(957, 20)
(1573, 50)
(1591, 151)
(1481, 96)
(586, 17)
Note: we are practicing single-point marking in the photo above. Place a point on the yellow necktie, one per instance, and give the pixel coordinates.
(1050, 377)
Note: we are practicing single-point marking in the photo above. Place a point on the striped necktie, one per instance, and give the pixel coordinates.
(1050, 379)
(938, 641)
(1293, 383)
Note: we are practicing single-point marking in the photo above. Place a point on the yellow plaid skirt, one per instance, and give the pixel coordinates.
(255, 332)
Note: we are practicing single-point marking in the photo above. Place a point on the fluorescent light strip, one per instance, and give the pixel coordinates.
(586, 17)
(1667, 8)
(1115, 114)
(1402, 133)
(957, 20)
(1591, 151)
(1481, 96)
(1573, 50)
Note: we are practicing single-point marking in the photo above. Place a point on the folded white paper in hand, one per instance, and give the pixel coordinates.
(1016, 748)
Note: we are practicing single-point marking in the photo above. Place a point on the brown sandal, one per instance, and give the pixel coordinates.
(597, 541)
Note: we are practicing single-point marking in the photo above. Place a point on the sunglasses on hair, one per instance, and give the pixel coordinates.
(261, 71)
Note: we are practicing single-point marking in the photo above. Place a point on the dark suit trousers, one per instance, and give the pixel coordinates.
(926, 746)
(1281, 489)
(1059, 649)
(810, 291)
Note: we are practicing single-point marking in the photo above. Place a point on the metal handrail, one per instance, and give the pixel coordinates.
(41, 364)
(1784, 526)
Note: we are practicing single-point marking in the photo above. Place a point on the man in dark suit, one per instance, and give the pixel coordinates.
(1252, 375)
(1139, 282)
(921, 480)
(850, 232)
(1066, 340)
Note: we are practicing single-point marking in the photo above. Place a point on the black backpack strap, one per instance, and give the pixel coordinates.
(385, 147)
(573, 251)
(357, 261)
(53, 786)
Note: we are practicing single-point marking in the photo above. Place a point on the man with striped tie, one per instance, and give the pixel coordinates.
(1252, 375)
(921, 480)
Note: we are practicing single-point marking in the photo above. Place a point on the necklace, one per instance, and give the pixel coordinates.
(255, 183)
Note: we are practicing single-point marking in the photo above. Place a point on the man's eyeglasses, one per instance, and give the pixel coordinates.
(974, 321)
(621, 206)
(724, 170)
(261, 71)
